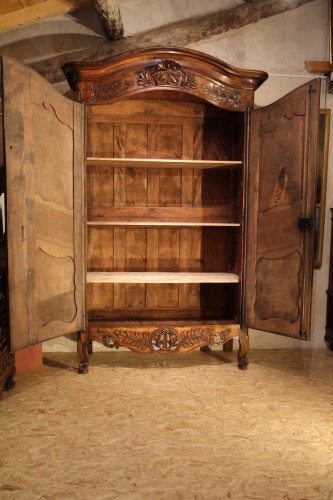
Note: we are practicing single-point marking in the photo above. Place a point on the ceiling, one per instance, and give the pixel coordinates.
(16, 14)
(47, 33)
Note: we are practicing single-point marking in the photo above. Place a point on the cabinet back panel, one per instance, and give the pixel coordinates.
(109, 188)
(164, 130)
(169, 249)
(161, 301)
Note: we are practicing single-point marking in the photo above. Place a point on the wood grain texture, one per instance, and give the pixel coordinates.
(187, 400)
(141, 70)
(279, 197)
(161, 277)
(44, 207)
(156, 223)
(161, 163)
(110, 18)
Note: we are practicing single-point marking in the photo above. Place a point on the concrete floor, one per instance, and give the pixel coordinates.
(180, 427)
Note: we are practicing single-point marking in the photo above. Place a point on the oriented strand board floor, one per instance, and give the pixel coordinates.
(186, 427)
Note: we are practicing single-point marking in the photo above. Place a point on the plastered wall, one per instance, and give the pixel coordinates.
(279, 45)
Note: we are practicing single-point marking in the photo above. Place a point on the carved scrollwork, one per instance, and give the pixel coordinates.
(165, 340)
(219, 93)
(110, 90)
(167, 73)
(138, 341)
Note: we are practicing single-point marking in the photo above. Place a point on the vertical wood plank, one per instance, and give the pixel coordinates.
(152, 265)
(168, 249)
(136, 178)
(168, 260)
(153, 178)
(135, 294)
(119, 193)
(100, 139)
(189, 295)
(100, 249)
(167, 296)
(190, 249)
(100, 189)
(119, 265)
(187, 174)
(197, 174)
(135, 249)
(190, 260)
(99, 296)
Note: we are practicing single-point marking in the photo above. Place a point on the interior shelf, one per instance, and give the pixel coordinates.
(156, 163)
(199, 223)
(160, 277)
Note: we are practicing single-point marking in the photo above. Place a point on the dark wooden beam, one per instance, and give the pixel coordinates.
(177, 34)
(109, 16)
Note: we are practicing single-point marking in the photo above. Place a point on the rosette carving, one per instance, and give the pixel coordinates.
(166, 73)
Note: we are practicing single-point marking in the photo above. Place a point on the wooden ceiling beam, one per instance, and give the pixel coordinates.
(179, 34)
(109, 16)
(38, 12)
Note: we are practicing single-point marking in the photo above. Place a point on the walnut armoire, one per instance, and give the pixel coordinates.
(159, 211)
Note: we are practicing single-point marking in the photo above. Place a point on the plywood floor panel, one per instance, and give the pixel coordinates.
(149, 427)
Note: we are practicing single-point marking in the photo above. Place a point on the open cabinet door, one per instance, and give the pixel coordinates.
(43, 162)
(281, 207)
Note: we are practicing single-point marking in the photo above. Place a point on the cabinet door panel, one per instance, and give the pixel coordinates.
(44, 156)
(282, 180)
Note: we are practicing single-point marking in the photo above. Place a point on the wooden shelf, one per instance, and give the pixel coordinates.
(182, 223)
(162, 277)
(152, 163)
(154, 322)
(319, 67)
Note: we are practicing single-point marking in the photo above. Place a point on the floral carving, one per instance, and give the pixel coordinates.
(166, 73)
(165, 340)
(219, 93)
(110, 90)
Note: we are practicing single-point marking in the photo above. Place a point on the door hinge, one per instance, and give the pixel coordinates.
(305, 223)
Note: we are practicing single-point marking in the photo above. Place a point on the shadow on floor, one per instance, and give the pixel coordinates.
(70, 361)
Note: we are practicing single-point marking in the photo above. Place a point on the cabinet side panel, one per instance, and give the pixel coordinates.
(44, 153)
(15, 106)
(281, 194)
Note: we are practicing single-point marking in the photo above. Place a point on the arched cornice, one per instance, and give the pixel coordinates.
(159, 68)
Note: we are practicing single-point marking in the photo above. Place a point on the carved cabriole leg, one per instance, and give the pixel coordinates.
(243, 349)
(82, 349)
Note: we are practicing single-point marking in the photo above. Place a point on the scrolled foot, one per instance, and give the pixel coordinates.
(9, 384)
(83, 367)
(82, 348)
(243, 350)
(243, 363)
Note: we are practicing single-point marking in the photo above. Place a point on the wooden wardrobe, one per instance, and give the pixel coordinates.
(161, 212)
